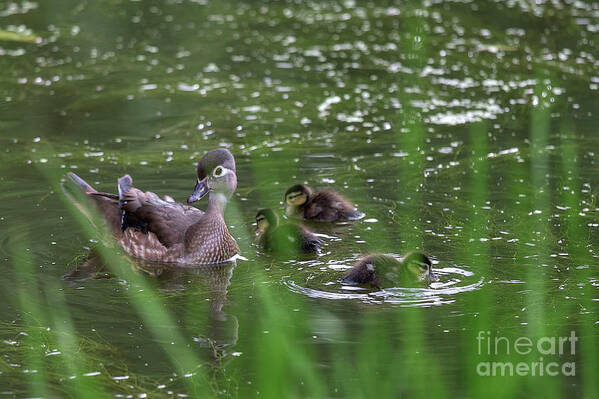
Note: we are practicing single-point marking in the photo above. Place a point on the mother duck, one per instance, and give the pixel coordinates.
(163, 230)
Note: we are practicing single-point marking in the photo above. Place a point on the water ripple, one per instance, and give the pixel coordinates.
(438, 293)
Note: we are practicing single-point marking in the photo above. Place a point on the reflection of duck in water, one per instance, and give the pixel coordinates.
(283, 238)
(384, 271)
(325, 205)
(219, 331)
(156, 229)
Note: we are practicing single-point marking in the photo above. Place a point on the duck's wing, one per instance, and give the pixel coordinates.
(148, 213)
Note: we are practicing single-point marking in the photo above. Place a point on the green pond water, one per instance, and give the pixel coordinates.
(468, 130)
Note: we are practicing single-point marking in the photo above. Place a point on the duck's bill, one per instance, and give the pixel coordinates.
(200, 190)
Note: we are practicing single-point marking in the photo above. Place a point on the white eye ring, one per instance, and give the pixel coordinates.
(220, 171)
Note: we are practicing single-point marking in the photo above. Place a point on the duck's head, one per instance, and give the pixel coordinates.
(266, 219)
(216, 174)
(416, 266)
(296, 196)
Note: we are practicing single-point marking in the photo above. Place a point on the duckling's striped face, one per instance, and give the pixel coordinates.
(296, 198)
(266, 219)
(261, 224)
(419, 270)
(419, 267)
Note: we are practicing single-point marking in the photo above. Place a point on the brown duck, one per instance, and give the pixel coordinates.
(325, 205)
(156, 229)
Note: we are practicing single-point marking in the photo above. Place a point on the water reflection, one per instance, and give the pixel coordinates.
(209, 281)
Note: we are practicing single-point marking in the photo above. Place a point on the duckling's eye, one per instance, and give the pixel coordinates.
(258, 220)
(424, 266)
(218, 171)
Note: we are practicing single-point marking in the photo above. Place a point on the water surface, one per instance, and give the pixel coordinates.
(467, 130)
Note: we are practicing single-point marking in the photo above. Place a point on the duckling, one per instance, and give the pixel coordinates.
(273, 236)
(385, 271)
(325, 205)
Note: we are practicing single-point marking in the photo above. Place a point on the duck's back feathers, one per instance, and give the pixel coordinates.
(147, 212)
(172, 232)
(290, 238)
(329, 206)
(146, 226)
(371, 269)
(363, 272)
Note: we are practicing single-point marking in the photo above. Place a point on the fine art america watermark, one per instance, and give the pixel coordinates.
(542, 355)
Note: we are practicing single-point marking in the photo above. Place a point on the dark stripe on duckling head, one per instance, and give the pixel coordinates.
(296, 197)
(298, 189)
(417, 257)
(271, 217)
(266, 221)
(421, 261)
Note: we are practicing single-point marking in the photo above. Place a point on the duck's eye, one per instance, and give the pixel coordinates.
(258, 220)
(424, 266)
(218, 171)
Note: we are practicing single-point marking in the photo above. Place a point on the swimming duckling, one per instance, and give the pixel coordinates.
(385, 271)
(287, 237)
(325, 205)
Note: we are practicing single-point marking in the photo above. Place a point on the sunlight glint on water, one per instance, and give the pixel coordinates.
(465, 129)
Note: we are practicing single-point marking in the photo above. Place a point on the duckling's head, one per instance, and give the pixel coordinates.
(416, 266)
(216, 174)
(266, 219)
(296, 196)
